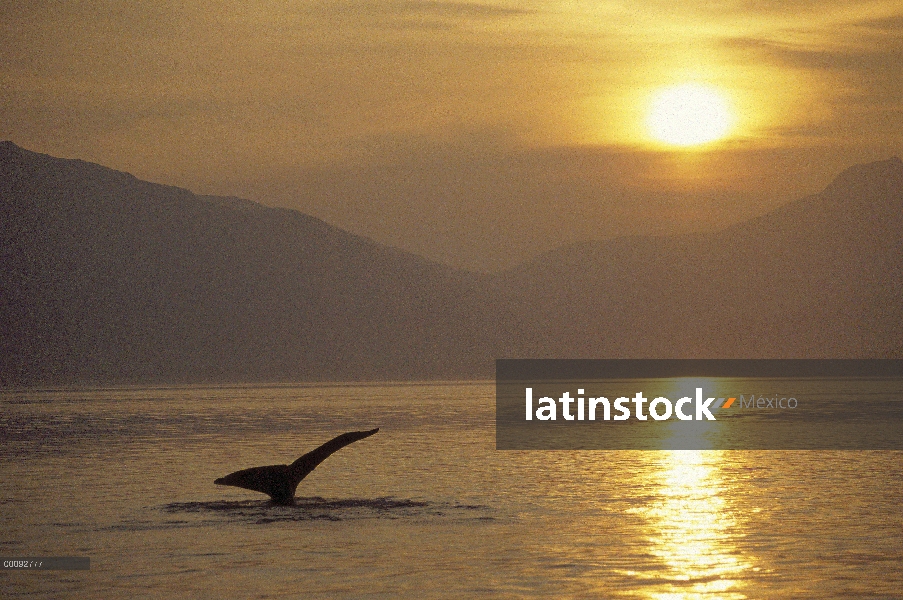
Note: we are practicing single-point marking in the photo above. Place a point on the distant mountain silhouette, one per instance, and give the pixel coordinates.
(107, 278)
(819, 277)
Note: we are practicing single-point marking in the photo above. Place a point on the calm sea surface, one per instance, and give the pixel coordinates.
(426, 508)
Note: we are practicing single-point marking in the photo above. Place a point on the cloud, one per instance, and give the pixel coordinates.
(883, 60)
(414, 15)
(479, 10)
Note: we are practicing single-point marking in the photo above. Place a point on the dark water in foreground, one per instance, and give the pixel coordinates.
(425, 508)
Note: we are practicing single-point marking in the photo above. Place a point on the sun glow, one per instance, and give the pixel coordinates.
(689, 115)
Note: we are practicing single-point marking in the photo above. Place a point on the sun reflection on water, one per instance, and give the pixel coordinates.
(692, 526)
(694, 529)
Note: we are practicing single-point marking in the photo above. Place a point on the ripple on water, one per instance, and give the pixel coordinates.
(331, 509)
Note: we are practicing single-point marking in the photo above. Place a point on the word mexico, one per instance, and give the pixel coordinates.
(837, 404)
(660, 408)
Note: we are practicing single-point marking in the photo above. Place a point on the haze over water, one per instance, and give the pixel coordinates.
(426, 508)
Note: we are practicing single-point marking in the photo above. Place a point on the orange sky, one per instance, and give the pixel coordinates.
(474, 133)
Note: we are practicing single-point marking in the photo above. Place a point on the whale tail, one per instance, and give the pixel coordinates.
(280, 481)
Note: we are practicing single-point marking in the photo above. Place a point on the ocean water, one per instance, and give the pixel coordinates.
(426, 508)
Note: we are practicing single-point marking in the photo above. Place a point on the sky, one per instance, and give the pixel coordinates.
(477, 134)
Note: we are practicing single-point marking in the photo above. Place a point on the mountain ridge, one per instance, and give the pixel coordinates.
(850, 180)
(818, 277)
(107, 278)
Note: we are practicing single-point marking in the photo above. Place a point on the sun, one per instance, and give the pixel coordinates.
(689, 115)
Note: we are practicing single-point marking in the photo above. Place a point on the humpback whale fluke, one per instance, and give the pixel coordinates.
(281, 481)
